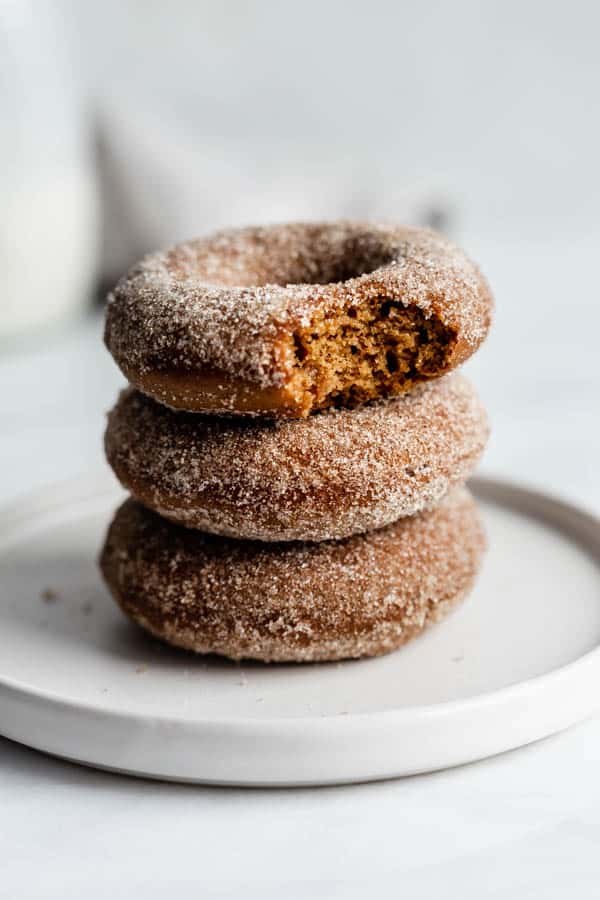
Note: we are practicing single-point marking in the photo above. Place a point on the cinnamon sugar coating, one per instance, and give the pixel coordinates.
(331, 475)
(363, 596)
(283, 320)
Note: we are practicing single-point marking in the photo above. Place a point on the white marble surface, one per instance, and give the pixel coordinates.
(525, 824)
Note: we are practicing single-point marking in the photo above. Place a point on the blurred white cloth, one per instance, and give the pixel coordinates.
(217, 114)
(162, 183)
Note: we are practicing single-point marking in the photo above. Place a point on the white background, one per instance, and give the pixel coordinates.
(493, 107)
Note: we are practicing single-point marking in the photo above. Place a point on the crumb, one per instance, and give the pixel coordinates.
(86, 608)
(143, 667)
(458, 658)
(49, 595)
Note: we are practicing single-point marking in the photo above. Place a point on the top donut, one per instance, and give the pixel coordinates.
(287, 319)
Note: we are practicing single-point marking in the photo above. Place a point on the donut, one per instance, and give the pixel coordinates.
(293, 602)
(284, 320)
(336, 473)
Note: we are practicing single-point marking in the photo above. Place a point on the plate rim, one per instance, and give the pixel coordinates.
(96, 485)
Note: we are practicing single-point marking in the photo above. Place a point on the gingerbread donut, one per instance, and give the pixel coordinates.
(363, 596)
(334, 474)
(288, 319)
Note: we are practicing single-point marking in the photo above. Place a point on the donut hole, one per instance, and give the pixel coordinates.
(372, 350)
(309, 254)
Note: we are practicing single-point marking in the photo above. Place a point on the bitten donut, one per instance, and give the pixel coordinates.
(287, 319)
(331, 475)
(363, 596)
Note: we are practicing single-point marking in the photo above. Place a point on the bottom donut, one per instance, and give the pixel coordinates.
(293, 602)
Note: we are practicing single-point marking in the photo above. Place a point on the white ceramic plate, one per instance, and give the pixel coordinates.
(518, 661)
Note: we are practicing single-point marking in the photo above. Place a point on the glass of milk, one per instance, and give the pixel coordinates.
(48, 209)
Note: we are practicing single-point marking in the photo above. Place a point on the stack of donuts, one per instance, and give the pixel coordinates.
(295, 439)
